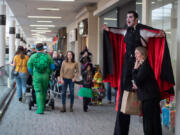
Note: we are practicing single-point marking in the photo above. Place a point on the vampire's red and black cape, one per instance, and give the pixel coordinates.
(158, 55)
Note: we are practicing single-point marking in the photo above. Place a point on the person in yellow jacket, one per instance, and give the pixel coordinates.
(21, 76)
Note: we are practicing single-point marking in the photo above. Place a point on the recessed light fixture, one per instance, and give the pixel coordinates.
(44, 21)
(41, 32)
(42, 28)
(35, 34)
(42, 25)
(48, 9)
(153, 2)
(49, 17)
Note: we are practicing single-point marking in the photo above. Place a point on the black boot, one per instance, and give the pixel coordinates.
(71, 107)
(20, 99)
(63, 108)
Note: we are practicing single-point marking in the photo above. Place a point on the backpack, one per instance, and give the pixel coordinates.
(41, 62)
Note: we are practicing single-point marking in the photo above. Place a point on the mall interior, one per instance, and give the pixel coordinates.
(73, 25)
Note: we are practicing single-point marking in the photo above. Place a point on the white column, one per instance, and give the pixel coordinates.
(21, 37)
(11, 39)
(146, 14)
(17, 36)
(2, 33)
(100, 44)
(177, 125)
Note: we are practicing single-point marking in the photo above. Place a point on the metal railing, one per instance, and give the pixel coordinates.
(4, 74)
(6, 92)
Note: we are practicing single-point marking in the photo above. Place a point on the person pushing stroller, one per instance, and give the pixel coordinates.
(40, 65)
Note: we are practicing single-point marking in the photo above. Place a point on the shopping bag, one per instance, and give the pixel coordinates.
(130, 103)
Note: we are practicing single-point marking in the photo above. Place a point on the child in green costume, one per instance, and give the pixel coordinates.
(40, 65)
(86, 91)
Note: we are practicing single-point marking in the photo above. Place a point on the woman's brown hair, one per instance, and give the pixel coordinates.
(66, 57)
(20, 51)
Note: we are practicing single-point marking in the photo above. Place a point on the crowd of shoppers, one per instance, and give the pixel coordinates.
(137, 75)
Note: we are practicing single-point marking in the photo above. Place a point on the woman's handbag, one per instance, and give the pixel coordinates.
(130, 103)
(14, 72)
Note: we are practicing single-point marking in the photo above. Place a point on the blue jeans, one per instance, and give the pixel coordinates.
(108, 91)
(21, 80)
(64, 89)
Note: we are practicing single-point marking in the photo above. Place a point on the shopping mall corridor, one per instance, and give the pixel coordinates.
(99, 120)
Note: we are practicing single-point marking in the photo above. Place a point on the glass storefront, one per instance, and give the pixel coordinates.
(164, 16)
(139, 9)
(110, 18)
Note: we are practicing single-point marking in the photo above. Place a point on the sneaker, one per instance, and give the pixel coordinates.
(99, 103)
(20, 99)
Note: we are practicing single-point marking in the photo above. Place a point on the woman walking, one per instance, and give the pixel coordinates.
(20, 65)
(68, 74)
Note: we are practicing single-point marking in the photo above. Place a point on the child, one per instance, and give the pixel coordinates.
(98, 87)
(86, 91)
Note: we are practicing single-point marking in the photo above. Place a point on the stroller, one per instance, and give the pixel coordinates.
(32, 100)
(55, 86)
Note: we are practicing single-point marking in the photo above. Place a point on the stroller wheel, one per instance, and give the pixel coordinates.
(52, 107)
(30, 106)
(52, 104)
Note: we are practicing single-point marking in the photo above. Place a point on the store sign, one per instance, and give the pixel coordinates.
(72, 36)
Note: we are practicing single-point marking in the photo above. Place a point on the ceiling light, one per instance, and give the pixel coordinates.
(42, 25)
(41, 32)
(153, 2)
(42, 28)
(44, 21)
(35, 34)
(48, 9)
(110, 19)
(49, 17)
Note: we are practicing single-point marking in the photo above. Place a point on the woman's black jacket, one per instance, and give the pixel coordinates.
(145, 80)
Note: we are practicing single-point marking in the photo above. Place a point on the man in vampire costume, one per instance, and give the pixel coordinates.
(119, 45)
